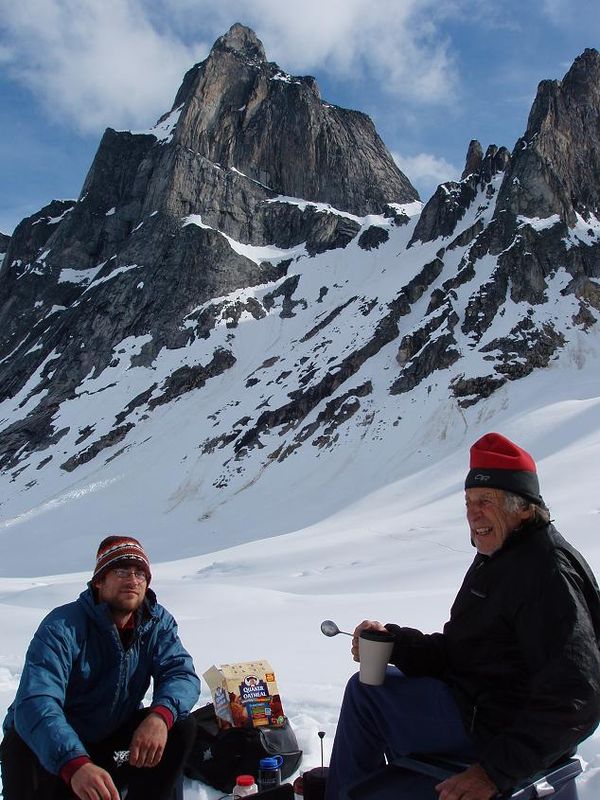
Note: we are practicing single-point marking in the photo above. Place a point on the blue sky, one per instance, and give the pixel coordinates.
(431, 74)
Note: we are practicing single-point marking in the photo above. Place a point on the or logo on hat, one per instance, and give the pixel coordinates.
(481, 477)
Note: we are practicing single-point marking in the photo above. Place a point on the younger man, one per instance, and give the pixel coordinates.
(86, 673)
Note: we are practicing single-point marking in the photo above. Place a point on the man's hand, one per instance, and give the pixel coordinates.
(91, 782)
(472, 784)
(148, 742)
(366, 624)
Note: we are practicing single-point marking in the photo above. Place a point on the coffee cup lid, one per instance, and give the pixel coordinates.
(376, 636)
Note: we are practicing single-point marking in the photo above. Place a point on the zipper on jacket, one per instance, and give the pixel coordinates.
(121, 684)
(473, 715)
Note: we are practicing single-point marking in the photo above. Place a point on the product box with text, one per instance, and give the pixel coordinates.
(245, 695)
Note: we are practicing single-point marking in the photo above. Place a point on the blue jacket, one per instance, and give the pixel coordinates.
(79, 683)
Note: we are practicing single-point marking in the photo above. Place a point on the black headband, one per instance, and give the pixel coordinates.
(519, 482)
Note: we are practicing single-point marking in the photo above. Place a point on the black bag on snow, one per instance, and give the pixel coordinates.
(218, 756)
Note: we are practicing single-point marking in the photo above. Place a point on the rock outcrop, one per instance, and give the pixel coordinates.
(556, 164)
(474, 159)
(242, 112)
(446, 208)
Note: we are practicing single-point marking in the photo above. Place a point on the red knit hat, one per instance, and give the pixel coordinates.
(116, 549)
(498, 463)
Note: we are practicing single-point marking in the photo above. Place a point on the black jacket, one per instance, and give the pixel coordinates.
(520, 653)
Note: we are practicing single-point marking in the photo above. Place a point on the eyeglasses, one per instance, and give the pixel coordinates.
(138, 574)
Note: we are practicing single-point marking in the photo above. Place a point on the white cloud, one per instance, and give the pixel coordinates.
(120, 62)
(395, 41)
(95, 62)
(398, 43)
(5, 54)
(555, 9)
(426, 171)
(585, 20)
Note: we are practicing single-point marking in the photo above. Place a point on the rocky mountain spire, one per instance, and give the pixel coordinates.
(534, 215)
(242, 112)
(473, 160)
(240, 42)
(241, 133)
(553, 170)
(556, 164)
(243, 41)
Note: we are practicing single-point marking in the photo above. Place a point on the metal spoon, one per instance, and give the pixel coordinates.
(329, 628)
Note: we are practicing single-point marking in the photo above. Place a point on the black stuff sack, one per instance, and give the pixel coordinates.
(218, 756)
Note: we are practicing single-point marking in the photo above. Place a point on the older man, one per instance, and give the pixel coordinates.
(513, 682)
(86, 673)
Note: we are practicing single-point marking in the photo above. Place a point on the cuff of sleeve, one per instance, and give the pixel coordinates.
(70, 768)
(397, 649)
(489, 762)
(165, 714)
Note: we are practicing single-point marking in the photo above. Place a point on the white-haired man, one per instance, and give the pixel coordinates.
(513, 681)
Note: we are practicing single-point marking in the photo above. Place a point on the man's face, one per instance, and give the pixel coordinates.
(489, 520)
(122, 594)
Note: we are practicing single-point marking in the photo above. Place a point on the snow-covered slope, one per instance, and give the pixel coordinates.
(397, 553)
(363, 518)
(255, 427)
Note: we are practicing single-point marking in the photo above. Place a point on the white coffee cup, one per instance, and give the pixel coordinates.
(374, 651)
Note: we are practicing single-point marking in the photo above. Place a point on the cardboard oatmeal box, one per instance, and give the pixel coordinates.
(245, 695)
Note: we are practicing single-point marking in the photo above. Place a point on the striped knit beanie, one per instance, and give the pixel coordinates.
(498, 463)
(116, 549)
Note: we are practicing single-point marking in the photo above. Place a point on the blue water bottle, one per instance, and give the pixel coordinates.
(269, 772)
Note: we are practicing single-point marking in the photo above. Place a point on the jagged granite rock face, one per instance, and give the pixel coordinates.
(474, 159)
(27, 293)
(241, 111)
(556, 164)
(241, 134)
(554, 169)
